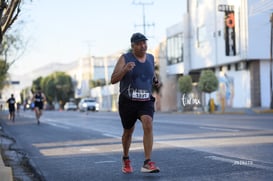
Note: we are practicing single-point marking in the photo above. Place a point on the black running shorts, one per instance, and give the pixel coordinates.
(130, 111)
(11, 109)
(39, 105)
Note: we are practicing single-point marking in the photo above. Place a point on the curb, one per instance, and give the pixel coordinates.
(5, 172)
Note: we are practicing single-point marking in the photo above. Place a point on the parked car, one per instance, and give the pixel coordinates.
(70, 106)
(88, 104)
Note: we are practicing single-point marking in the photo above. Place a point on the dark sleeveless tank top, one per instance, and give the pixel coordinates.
(139, 81)
(38, 98)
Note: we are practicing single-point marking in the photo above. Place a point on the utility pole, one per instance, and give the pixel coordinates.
(89, 44)
(271, 59)
(144, 24)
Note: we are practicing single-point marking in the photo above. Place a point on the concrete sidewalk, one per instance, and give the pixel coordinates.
(229, 110)
(257, 110)
(5, 172)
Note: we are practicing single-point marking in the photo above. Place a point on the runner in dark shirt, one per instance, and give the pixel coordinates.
(11, 102)
(38, 100)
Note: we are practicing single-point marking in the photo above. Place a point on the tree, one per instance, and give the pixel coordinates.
(3, 73)
(26, 95)
(64, 87)
(9, 46)
(9, 12)
(57, 87)
(208, 81)
(185, 87)
(36, 83)
(185, 84)
(48, 87)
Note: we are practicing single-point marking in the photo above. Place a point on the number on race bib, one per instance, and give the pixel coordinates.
(140, 95)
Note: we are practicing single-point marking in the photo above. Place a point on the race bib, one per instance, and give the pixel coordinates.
(139, 94)
(38, 100)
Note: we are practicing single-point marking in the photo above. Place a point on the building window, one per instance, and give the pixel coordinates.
(201, 35)
(175, 49)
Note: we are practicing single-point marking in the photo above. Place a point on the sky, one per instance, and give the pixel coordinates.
(64, 30)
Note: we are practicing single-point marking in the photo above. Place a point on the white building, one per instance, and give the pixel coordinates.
(92, 69)
(230, 37)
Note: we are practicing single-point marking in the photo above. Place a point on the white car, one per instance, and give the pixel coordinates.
(88, 104)
(70, 106)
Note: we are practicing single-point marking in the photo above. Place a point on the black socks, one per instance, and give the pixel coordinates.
(146, 161)
(125, 158)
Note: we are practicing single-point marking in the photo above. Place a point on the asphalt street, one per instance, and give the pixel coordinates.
(74, 146)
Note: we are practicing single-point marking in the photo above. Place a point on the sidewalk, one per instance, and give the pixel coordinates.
(14, 165)
(228, 110)
(5, 172)
(257, 110)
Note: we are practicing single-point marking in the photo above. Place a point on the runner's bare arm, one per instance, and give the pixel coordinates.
(121, 69)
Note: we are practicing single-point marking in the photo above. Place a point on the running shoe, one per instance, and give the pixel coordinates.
(126, 166)
(150, 168)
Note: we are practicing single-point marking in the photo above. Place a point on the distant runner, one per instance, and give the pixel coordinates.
(38, 100)
(11, 102)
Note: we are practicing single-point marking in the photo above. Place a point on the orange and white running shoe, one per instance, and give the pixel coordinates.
(126, 166)
(150, 168)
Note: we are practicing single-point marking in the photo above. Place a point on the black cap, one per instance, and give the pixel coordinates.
(136, 37)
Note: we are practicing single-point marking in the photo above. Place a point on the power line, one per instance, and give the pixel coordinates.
(144, 23)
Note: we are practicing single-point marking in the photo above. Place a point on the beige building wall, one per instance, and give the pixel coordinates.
(168, 96)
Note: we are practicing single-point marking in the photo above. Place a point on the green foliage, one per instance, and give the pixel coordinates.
(185, 84)
(36, 84)
(4, 66)
(48, 86)
(11, 43)
(9, 46)
(208, 81)
(57, 86)
(25, 95)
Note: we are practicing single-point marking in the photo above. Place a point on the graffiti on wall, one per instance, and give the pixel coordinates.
(226, 90)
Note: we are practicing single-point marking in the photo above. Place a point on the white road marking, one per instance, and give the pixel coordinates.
(87, 149)
(219, 129)
(102, 162)
(111, 135)
(59, 126)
